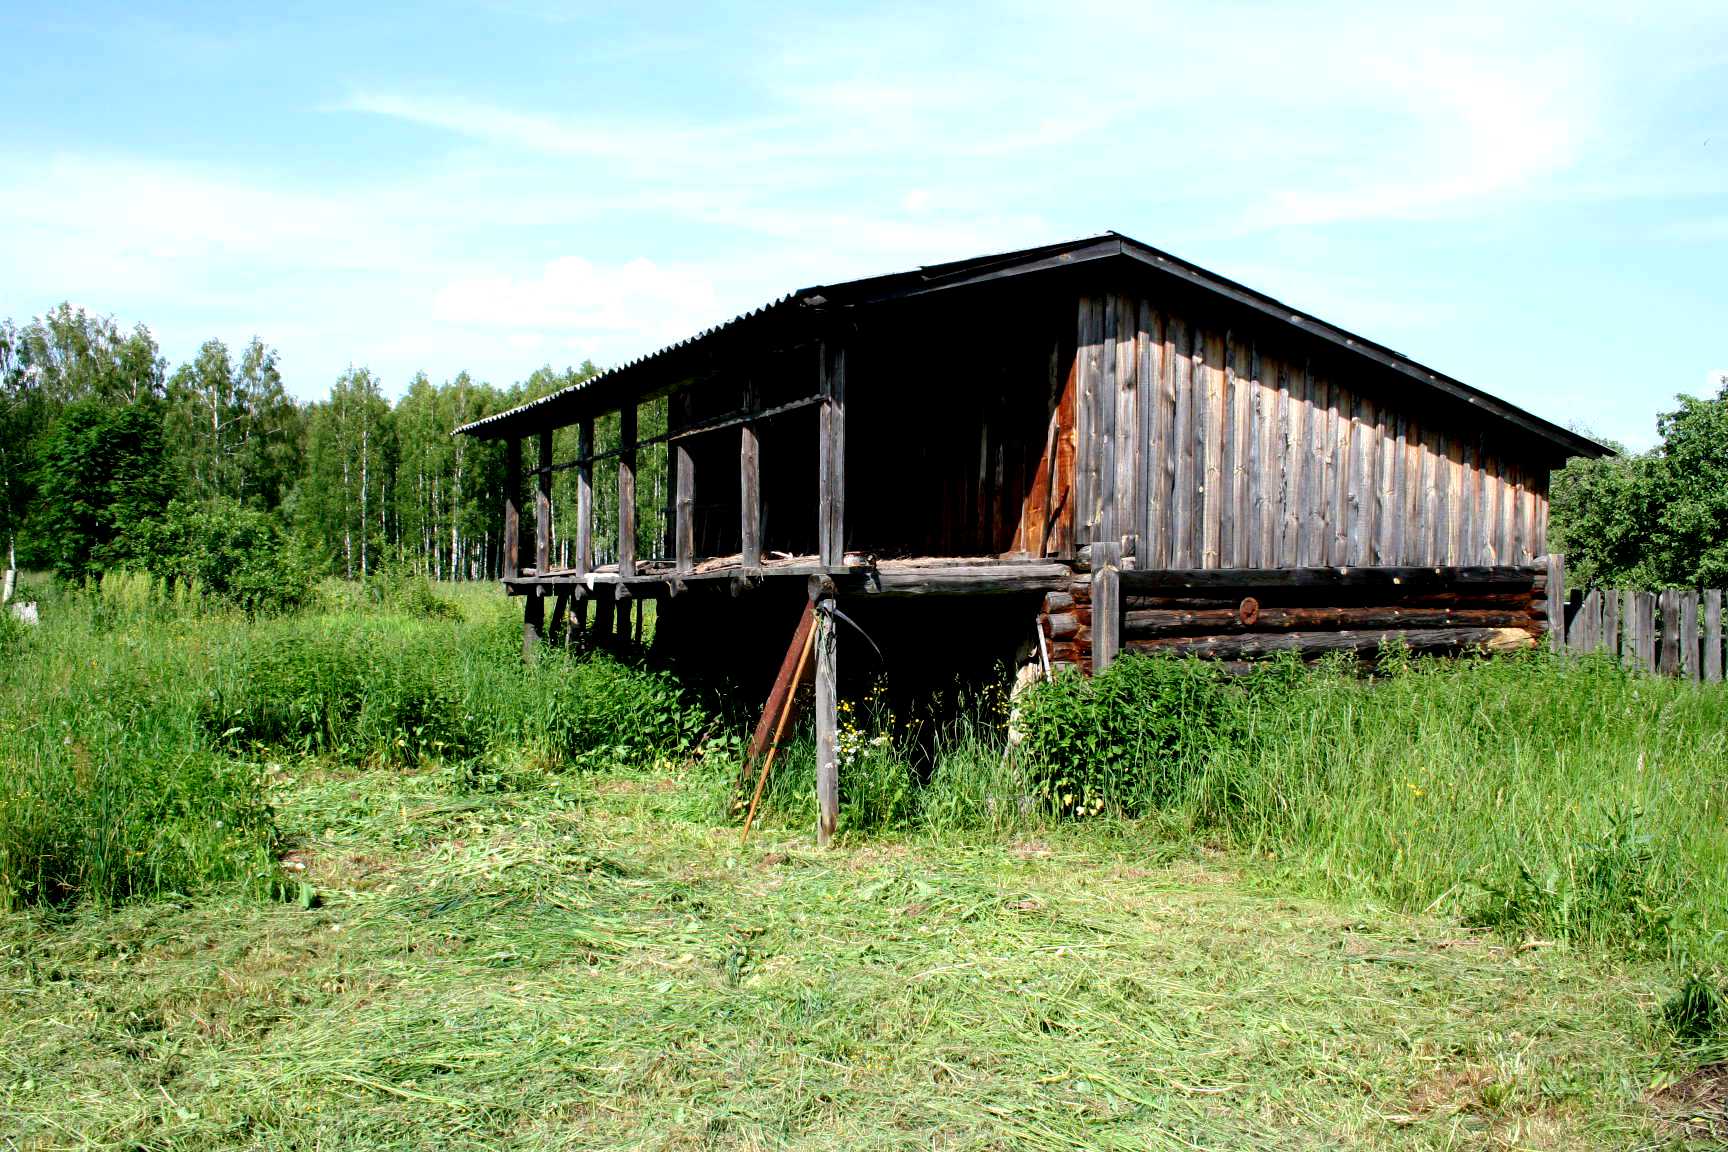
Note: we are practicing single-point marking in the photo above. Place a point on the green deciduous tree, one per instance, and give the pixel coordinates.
(1656, 519)
(103, 478)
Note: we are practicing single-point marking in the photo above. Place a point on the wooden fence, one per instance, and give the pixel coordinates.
(1677, 632)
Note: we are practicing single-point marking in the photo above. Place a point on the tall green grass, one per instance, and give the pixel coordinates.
(134, 729)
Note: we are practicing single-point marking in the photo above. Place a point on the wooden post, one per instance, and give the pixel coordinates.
(1688, 636)
(512, 513)
(604, 606)
(1106, 603)
(584, 560)
(1645, 605)
(1713, 636)
(627, 489)
(543, 506)
(749, 491)
(827, 723)
(1611, 623)
(622, 619)
(684, 502)
(533, 625)
(1670, 664)
(1556, 602)
(1629, 628)
(831, 457)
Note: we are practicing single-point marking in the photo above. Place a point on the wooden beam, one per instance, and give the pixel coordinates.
(749, 496)
(1149, 622)
(1253, 645)
(627, 490)
(1135, 581)
(584, 558)
(957, 580)
(827, 724)
(543, 505)
(512, 513)
(831, 456)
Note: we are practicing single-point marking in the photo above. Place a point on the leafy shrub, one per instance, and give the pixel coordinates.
(230, 553)
(1126, 739)
(406, 588)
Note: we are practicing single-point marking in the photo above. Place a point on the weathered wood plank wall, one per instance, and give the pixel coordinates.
(1203, 446)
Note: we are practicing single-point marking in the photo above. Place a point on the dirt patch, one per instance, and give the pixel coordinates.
(1697, 1104)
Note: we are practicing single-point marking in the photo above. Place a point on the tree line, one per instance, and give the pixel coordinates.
(110, 459)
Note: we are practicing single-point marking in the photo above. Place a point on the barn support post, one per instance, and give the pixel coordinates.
(533, 624)
(600, 632)
(543, 505)
(1556, 602)
(584, 558)
(831, 457)
(627, 489)
(749, 489)
(1106, 603)
(684, 498)
(827, 719)
(512, 512)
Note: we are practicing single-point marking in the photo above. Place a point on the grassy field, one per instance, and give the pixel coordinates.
(444, 902)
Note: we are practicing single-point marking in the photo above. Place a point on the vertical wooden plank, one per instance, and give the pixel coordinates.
(1185, 434)
(512, 512)
(750, 493)
(1106, 604)
(1160, 400)
(1107, 519)
(1269, 497)
(1291, 405)
(1386, 487)
(1556, 602)
(1466, 507)
(584, 559)
(627, 489)
(1410, 528)
(827, 723)
(1365, 444)
(831, 456)
(1147, 348)
(1241, 456)
(543, 505)
(1213, 491)
(1453, 496)
(1688, 636)
(1668, 625)
(1091, 335)
(1129, 445)
(1647, 631)
(1344, 418)
(1314, 503)
(1611, 623)
(1228, 447)
(1713, 636)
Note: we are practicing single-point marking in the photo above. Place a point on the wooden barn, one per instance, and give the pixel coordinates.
(1054, 454)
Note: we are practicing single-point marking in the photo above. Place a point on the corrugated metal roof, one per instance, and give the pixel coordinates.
(1107, 245)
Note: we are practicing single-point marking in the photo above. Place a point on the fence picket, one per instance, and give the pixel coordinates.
(1713, 635)
(1688, 638)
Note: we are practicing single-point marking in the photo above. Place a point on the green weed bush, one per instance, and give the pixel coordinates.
(1125, 740)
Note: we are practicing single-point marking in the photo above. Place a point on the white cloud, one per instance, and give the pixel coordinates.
(637, 303)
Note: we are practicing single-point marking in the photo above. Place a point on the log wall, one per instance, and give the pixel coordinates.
(1205, 445)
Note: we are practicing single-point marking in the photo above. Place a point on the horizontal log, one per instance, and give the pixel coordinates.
(1250, 645)
(1062, 625)
(957, 580)
(1058, 601)
(1169, 622)
(1163, 580)
(1509, 600)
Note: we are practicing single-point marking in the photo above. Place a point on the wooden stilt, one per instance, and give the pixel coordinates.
(827, 725)
(533, 625)
(782, 695)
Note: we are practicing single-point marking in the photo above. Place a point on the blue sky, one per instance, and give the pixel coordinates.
(1534, 200)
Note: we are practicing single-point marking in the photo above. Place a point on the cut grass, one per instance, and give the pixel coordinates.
(591, 962)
